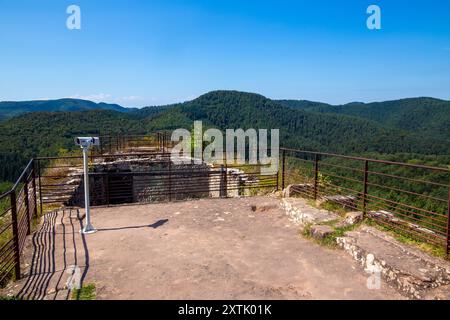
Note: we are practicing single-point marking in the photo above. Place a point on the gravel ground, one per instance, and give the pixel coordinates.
(201, 249)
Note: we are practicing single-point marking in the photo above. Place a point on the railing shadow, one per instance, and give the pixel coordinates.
(60, 253)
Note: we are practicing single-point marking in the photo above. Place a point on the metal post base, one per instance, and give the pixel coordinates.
(88, 229)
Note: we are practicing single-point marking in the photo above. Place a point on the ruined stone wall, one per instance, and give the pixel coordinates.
(157, 179)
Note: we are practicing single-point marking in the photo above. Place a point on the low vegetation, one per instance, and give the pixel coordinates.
(86, 292)
(437, 251)
(330, 240)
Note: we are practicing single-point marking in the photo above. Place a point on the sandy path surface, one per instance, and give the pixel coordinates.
(202, 249)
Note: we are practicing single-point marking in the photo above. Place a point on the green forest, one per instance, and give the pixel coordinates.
(303, 124)
(428, 116)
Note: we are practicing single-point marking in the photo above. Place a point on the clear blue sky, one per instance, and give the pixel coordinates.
(160, 51)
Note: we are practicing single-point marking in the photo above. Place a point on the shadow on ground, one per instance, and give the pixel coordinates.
(59, 256)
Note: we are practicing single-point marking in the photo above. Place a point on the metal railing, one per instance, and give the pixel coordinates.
(411, 199)
(110, 144)
(154, 177)
(21, 206)
(18, 210)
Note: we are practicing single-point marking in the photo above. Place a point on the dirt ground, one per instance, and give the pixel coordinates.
(202, 249)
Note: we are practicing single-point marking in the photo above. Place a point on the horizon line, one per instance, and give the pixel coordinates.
(219, 90)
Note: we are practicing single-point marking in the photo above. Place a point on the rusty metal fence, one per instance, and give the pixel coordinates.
(18, 211)
(145, 177)
(110, 144)
(411, 199)
(45, 183)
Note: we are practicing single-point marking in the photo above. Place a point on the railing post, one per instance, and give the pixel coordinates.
(170, 180)
(33, 184)
(164, 142)
(448, 224)
(226, 179)
(27, 206)
(157, 139)
(107, 189)
(40, 186)
(366, 173)
(221, 182)
(15, 234)
(278, 177)
(316, 174)
(283, 172)
(167, 140)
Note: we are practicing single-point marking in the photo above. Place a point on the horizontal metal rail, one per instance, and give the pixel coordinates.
(18, 207)
(412, 199)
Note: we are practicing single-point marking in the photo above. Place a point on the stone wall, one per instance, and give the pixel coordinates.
(157, 179)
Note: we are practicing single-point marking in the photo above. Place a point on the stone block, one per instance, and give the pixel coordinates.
(352, 218)
(320, 231)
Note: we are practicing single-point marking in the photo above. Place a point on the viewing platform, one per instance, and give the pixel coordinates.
(224, 230)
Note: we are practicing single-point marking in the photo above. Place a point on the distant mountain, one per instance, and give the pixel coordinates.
(306, 130)
(427, 116)
(9, 109)
(47, 133)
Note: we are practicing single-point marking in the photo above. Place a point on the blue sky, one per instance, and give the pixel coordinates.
(140, 53)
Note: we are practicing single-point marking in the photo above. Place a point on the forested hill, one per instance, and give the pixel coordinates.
(46, 133)
(9, 109)
(298, 128)
(427, 116)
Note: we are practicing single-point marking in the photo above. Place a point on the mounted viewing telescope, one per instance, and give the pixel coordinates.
(86, 143)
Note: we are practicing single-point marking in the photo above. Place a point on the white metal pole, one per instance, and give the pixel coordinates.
(88, 228)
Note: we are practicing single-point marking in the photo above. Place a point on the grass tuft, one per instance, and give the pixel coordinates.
(9, 298)
(87, 292)
(329, 241)
(403, 237)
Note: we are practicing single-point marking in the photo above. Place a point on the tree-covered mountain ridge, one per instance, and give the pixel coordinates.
(424, 115)
(46, 133)
(9, 109)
